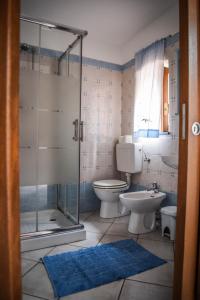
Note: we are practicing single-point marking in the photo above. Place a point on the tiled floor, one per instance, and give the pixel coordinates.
(150, 285)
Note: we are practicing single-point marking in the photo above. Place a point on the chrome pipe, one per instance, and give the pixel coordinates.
(67, 52)
(52, 25)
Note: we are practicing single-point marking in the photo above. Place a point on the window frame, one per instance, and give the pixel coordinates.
(165, 102)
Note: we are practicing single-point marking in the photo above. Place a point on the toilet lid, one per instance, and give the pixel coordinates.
(169, 210)
(110, 183)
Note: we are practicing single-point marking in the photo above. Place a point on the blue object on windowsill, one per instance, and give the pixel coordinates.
(146, 133)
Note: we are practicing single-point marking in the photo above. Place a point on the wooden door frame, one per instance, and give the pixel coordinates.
(10, 273)
(186, 251)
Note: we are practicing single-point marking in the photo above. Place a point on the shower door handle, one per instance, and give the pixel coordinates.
(81, 131)
(75, 137)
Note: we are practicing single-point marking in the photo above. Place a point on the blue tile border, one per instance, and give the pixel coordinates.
(129, 64)
(85, 60)
(102, 64)
(169, 41)
(45, 197)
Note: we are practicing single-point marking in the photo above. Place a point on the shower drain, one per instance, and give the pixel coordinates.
(52, 219)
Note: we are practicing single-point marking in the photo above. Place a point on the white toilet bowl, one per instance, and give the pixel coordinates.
(108, 192)
(143, 206)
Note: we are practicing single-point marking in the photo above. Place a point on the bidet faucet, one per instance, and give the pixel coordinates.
(154, 187)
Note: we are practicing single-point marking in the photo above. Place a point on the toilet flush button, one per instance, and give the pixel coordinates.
(196, 128)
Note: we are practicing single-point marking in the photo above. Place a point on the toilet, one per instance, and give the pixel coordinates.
(168, 221)
(129, 161)
(108, 192)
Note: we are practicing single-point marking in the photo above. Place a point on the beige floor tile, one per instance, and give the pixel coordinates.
(108, 238)
(36, 254)
(36, 283)
(162, 275)
(28, 297)
(26, 265)
(124, 219)
(155, 236)
(92, 239)
(105, 292)
(161, 249)
(96, 218)
(120, 229)
(133, 290)
(64, 248)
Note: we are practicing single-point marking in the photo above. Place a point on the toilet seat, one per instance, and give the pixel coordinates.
(110, 184)
(108, 192)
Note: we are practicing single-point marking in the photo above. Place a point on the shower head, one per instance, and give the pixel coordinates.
(28, 48)
(25, 47)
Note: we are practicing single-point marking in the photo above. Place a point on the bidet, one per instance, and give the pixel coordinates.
(143, 206)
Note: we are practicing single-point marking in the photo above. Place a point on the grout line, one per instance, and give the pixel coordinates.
(30, 251)
(105, 233)
(36, 297)
(31, 259)
(121, 290)
(54, 247)
(36, 263)
(150, 283)
(36, 260)
(70, 245)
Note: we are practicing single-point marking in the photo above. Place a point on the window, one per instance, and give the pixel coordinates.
(149, 65)
(165, 102)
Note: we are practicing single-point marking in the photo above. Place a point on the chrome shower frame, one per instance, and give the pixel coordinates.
(80, 34)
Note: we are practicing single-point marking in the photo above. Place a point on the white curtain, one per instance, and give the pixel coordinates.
(149, 67)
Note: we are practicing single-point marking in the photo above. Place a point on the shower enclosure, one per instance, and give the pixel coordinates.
(50, 132)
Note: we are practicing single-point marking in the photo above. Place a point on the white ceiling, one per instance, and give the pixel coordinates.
(112, 22)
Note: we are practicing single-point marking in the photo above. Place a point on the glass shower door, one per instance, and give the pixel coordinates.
(29, 80)
(50, 90)
(58, 134)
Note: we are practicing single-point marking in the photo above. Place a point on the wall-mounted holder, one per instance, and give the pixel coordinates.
(146, 158)
(196, 128)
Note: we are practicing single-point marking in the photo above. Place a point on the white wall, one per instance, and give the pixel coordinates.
(60, 40)
(167, 24)
(93, 46)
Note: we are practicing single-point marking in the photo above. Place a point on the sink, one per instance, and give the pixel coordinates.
(170, 161)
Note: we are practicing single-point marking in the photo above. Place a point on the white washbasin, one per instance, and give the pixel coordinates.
(170, 160)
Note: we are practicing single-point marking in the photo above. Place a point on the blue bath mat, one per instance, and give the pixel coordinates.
(76, 271)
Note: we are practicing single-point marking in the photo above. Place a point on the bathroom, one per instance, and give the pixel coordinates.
(68, 148)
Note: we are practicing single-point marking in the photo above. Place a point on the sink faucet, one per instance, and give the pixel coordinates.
(154, 187)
